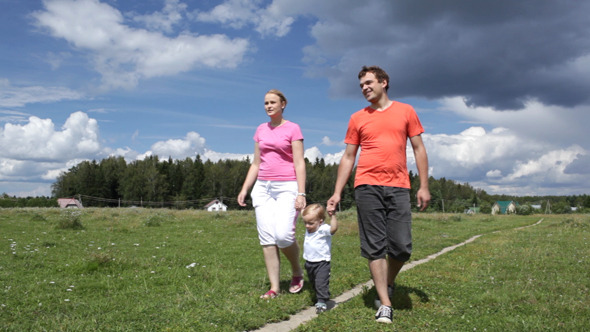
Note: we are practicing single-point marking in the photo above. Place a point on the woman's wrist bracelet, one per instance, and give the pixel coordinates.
(301, 194)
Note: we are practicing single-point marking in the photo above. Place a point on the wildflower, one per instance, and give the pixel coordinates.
(191, 265)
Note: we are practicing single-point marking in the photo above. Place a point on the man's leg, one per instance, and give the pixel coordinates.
(379, 271)
(394, 266)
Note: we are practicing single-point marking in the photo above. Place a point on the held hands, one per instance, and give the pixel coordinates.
(332, 203)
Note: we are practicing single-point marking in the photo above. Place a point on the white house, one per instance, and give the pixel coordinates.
(215, 205)
(504, 207)
(69, 203)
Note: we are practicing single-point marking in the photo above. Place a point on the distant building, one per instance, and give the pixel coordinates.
(69, 203)
(504, 207)
(215, 205)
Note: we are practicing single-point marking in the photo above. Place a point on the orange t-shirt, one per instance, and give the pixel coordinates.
(382, 136)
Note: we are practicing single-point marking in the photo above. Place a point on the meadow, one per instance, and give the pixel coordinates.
(134, 269)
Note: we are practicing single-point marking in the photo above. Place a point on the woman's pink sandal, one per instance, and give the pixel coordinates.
(296, 284)
(269, 295)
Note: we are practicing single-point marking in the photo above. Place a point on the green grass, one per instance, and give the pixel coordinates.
(166, 270)
(532, 279)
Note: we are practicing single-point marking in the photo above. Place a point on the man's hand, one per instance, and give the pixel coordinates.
(423, 197)
(332, 203)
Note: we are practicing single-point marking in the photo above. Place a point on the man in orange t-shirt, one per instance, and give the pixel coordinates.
(382, 184)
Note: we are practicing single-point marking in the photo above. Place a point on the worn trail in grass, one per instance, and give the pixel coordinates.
(308, 314)
(519, 279)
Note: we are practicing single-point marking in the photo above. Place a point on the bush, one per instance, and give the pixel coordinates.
(524, 210)
(154, 220)
(70, 220)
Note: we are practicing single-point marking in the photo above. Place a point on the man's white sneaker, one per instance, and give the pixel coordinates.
(384, 314)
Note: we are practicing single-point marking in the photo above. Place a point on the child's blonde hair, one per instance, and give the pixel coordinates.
(317, 211)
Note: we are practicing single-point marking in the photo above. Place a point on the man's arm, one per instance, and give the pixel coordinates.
(423, 194)
(344, 171)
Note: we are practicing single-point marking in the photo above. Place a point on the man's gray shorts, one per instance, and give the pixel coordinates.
(385, 222)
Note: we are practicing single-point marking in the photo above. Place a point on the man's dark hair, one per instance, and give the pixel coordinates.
(379, 73)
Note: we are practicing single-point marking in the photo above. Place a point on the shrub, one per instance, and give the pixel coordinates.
(154, 220)
(70, 220)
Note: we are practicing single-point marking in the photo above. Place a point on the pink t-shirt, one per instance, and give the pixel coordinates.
(276, 152)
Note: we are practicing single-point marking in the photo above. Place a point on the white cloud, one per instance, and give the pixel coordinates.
(328, 142)
(123, 55)
(35, 153)
(38, 139)
(552, 125)
(170, 15)
(550, 165)
(12, 96)
(240, 13)
(314, 153)
(217, 156)
(190, 146)
(503, 161)
(26, 189)
(495, 173)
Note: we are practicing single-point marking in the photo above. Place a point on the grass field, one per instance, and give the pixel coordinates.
(168, 270)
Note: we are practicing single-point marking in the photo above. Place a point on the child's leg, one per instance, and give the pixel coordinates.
(322, 281)
(310, 268)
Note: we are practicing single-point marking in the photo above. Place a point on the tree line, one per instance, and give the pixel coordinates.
(192, 183)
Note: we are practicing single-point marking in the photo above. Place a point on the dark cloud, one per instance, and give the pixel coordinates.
(579, 166)
(494, 53)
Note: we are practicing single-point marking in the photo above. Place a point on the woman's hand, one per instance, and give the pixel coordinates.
(242, 198)
(300, 202)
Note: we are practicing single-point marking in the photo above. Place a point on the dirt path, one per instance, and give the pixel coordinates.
(309, 313)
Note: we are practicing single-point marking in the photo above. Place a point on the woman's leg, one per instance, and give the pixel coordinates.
(273, 264)
(292, 254)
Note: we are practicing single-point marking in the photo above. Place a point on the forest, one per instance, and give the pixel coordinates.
(192, 183)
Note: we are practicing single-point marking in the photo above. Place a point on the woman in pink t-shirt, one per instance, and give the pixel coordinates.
(277, 179)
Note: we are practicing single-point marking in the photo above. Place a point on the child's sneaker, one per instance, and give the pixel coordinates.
(390, 290)
(320, 307)
(384, 314)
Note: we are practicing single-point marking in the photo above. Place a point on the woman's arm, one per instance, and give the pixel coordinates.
(251, 176)
(299, 164)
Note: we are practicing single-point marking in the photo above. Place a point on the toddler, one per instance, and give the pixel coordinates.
(316, 251)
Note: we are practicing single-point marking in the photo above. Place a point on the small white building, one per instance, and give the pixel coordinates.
(69, 203)
(215, 205)
(504, 207)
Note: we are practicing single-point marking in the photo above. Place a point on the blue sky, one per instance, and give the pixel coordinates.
(501, 87)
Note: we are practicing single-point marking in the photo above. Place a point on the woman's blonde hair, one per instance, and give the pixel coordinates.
(280, 94)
